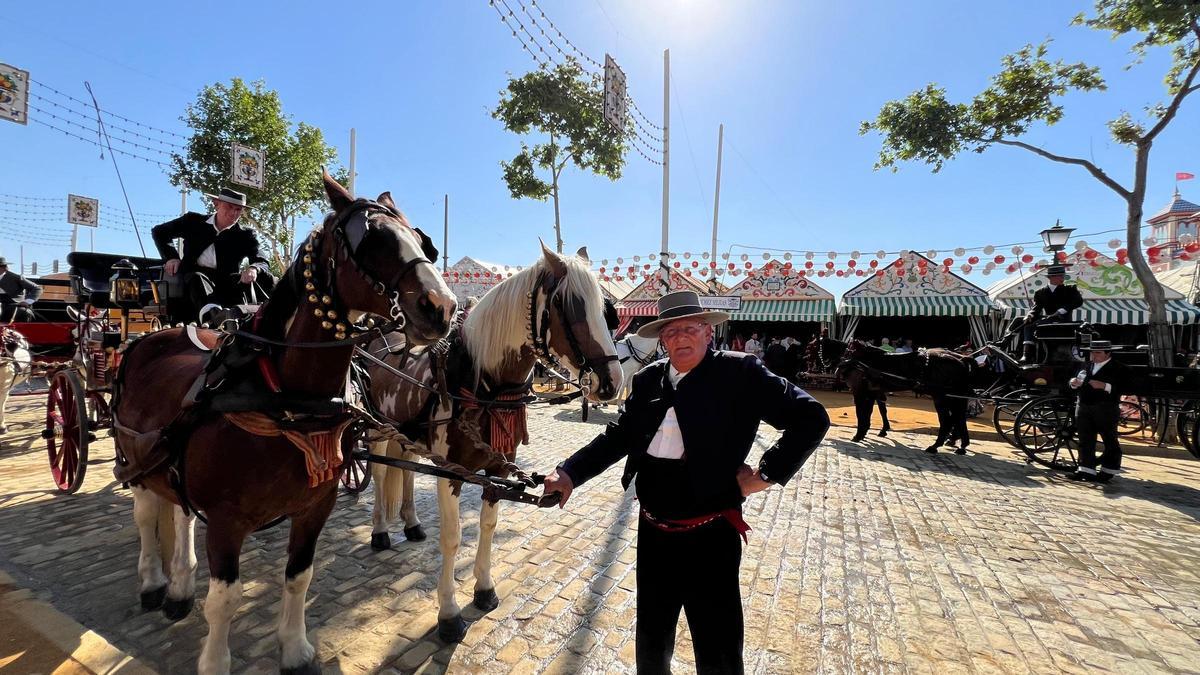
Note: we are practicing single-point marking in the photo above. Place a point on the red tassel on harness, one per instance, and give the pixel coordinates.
(265, 367)
(506, 424)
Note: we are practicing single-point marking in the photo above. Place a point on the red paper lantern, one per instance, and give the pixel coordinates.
(1090, 254)
(676, 264)
(749, 266)
(1122, 253)
(601, 270)
(923, 270)
(732, 266)
(695, 263)
(829, 265)
(998, 259)
(645, 267)
(840, 273)
(974, 260)
(948, 262)
(874, 263)
(1027, 258)
(1192, 247)
(922, 262)
(878, 273)
(808, 265)
(851, 263)
(711, 265)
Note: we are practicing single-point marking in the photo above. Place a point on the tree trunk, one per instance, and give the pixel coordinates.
(555, 169)
(1158, 332)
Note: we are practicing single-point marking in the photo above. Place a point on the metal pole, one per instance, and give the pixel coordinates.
(664, 269)
(92, 240)
(22, 260)
(352, 161)
(183, 201)
(445, 232)
(712, 280)
(74, 238)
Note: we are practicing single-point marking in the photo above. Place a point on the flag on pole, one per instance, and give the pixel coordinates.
(1180, 175)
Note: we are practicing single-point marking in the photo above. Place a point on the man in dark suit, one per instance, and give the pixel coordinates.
(1101, 385)
(1055, 302)
(686, 432)
(17, 294)
(213, 250)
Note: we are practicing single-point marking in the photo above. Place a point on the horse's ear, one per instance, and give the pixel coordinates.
(582, 254)
(556, 262)
(385, 198)
(339, 197)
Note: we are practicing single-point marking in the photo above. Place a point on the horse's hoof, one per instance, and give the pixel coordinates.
(931, 449)
(883, 433)
(311, 668)
(153, 599)
(381, 541)
(856, 439)
(176, 610)
(961, 451)
(486, 599)
(414, 533)
(452, 630)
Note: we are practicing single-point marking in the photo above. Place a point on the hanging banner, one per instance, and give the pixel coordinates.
(14, 94)
(726, 302)
(83, 211)
(616, 104)
(248, 166)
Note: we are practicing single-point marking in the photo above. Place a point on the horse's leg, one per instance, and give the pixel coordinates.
(408, 505)
(224, 545)
(943, 414)
(6, 380)
(385, 486)
(181, 593)
(960, 426)
(153, 587)
(451, 627)
(298, 656)
(887, 424)
(485, 588)
(863, 405)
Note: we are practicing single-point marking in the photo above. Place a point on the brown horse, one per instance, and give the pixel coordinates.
(553, 310)
(365, 258)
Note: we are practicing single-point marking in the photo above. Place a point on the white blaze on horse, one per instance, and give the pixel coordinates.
(635, 353)
(15, 363)
(469, 405)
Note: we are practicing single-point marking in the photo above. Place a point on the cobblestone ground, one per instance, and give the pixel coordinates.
(874, 559)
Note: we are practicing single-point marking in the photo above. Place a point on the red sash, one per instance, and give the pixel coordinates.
(732, 516)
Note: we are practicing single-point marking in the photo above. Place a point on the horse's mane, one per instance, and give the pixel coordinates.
(499, 324)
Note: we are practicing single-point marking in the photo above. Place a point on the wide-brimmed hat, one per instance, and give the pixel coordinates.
(3, 261)
(1098, 346)
(680, 305)
(1056, 271)
(231, 196)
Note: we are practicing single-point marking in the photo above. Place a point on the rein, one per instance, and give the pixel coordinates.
(642, 359)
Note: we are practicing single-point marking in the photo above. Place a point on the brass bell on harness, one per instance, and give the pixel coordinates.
(308, 248)
(370, 323)
(339, 336)
(309, 286)
(341, 327)
(307, 259)
(331, 314)
(312, 298)
(307, 274)
(326, 299)
(326, 325)
(318, 313)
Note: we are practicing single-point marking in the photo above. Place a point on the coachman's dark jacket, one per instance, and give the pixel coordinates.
(719, 405)
(235, 244)
(1046, 302)
(1117, 375)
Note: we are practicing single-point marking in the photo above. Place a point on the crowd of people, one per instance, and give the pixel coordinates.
(783, 355)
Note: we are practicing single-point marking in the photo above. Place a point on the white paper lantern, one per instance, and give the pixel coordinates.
(966, 269)
(652, 256)
(637, 258)
(766, 256)
(986, 271)
(620, 261)
(745, 257)
(833, 255)
(1114, 243)
(1018, 250)
(808, 256)
(787, 256)
(959, 252)
(881, 254)
(1149, 241)
(704, 255)
(604, 262)
(931, 253)
(687, 255)
(989, 249)
(1080, 245)
(854, 255)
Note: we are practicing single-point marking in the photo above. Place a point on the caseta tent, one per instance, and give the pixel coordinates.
(777, 293)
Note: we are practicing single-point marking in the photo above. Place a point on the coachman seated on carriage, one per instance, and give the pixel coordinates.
(1053, 304)
(210, 266)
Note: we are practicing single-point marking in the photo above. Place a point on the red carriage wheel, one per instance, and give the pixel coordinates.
(67, 430)
(356, 473)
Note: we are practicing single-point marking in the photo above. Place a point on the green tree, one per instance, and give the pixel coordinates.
(927, 127)
(252, 115)
(564, 105)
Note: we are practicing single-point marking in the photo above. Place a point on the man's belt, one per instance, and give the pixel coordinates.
(731, 516)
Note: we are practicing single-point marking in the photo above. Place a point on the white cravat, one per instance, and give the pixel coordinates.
(208, 258)
(668, 440)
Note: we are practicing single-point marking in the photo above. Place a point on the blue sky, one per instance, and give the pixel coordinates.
(791, 81)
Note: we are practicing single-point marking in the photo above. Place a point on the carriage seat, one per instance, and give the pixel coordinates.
(1057, 332)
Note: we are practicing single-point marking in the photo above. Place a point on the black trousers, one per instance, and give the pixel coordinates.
(1098, 419)
(696, 571)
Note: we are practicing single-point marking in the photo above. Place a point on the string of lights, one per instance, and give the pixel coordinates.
(88, 105)
(504, 19)
(26, 238)
(55, 210)
(93, 130)
(91, 116)
(163, 165)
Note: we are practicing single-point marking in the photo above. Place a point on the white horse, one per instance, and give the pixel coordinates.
(15, 361)
(634, 354)
(554, 307)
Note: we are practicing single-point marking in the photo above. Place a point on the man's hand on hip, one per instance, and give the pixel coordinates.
(749, 481)
(560, 483)
(171, 266)
(249, 275)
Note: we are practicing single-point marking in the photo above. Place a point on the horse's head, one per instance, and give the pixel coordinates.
(568, 310)
(380, 264)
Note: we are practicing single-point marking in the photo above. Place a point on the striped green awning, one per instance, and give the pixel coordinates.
(820, 310)
(1123, 311)
(927, 305)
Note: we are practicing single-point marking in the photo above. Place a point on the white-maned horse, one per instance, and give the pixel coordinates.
(15, 361)
(635, 353)
(553, 306)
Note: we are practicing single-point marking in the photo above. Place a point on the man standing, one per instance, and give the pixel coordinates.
(1055, 302)
(15, 291)
(753, 346)
(1101, 385)
(686, 432)
(213, 250)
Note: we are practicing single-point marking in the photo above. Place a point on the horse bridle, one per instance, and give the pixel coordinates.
(643, 359)
(539, 330)
(350, 230)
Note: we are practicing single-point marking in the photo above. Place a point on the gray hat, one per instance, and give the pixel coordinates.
(1098, 346)
(680, 305)
(231, 196)
(3, 261)
(1056, 271)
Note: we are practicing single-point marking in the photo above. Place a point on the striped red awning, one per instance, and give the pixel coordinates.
(637, 308)
(623, 326)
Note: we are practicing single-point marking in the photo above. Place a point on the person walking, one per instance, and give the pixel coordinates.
(1100, 385)
(686, 432)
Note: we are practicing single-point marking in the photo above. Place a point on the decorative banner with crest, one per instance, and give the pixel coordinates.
(615, 99)
(248, 166)
(14, 94)
(83, 211)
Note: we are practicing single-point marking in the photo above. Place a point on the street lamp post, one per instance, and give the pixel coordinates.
(1056, 237)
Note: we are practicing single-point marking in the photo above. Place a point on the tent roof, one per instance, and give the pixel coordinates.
(1098, 277)
(651, 289)
(1178, 206)
(477, 265)
(768, 283)
(936, 281)
(1183, 279)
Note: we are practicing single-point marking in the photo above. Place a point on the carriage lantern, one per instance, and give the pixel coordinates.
(124, 290)
(1056, 237)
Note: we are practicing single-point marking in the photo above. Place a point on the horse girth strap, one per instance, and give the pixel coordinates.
(322, 447)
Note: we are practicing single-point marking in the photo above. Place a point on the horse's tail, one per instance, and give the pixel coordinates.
(390, 481)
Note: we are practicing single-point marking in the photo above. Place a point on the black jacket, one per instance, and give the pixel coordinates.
(1047, 302)
(719, 405)
(1116, 374)
(12, 286)
(234, 245)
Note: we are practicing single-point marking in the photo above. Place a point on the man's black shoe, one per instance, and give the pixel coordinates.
(1083, 476)
(1104, 477)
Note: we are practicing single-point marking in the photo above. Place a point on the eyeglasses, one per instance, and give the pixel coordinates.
(677, 331)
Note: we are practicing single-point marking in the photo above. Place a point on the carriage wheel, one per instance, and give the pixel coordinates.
(1187, 427)
(1045, 430)
(1004, 412)
(67, 431)
(356, 474)
(1132, 417)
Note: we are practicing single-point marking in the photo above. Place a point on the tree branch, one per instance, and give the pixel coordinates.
(1092, 168)
(1185, 89)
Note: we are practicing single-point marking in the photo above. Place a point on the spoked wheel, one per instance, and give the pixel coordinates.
(356, 475)
(1187, 427)
(1133, 417)
(1045, 430)
(67, 432)
(1004, 413)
